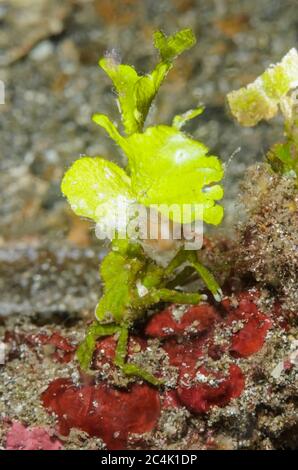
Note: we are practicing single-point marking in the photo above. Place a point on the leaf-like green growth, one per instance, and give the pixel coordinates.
(261, 99)
(180, 120)
(93, 186)
(103, 121)
(283, 158)
(168, 167)
(170, 47)
(136, 92)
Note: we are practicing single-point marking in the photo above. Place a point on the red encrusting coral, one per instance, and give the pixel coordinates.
(200, 397)
(251, 336)
(196, 319)
(106, 349)
(103, 411)
(63, 349)
(185, 353)
(190, 339)
(170, 399)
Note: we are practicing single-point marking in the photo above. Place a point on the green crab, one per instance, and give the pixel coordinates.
(132, 284)
(165, 166)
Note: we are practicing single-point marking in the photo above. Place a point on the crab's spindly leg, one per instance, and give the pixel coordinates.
(169, 295)
(85, 350)
(180, 258)
(206, 276)
(130, 369)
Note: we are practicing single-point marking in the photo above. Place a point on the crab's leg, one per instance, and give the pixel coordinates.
(130, 369)
(156, 275)
(191, 259)
(169, 295)
(122, 345)
(177, 261)
(85, 350)
(207, 277)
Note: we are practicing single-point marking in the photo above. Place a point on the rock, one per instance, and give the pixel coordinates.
(42, 51)
(33, 22)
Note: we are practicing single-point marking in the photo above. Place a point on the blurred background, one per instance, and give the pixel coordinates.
(49, 51)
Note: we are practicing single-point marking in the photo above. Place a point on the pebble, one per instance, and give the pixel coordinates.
(42, 51)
